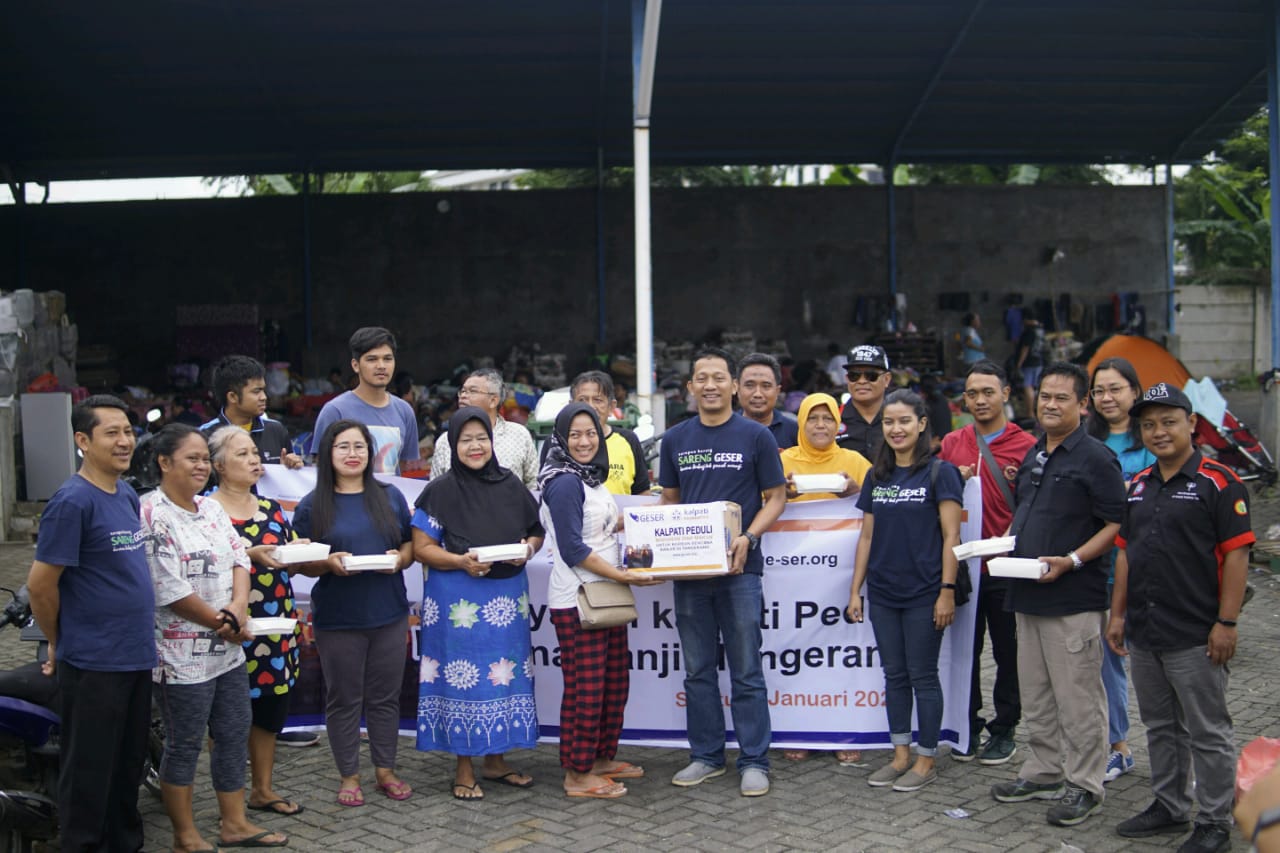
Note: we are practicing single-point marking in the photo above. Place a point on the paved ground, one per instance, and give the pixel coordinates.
(815, 805)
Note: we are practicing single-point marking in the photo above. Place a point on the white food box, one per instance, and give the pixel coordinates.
(1017, 567)
(686, 540)
(807, 484)
(267, 625)
(306, 552)
(985, 547)
(370, 562)
(501, 553)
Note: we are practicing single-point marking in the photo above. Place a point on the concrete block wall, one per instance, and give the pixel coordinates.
(462, 274)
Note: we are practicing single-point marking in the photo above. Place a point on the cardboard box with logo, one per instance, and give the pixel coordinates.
(681, 541)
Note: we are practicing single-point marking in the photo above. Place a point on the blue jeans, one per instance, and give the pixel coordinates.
(1116, 682)
(727, 607)
(909, 647)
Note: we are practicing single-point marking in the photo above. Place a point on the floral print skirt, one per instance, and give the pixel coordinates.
(475, 687)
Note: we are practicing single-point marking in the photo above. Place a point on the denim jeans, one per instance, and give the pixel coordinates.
(909, 647)
(1116, 682)
(727, 607)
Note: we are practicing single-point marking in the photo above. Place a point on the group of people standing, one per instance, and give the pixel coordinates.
(175, 578)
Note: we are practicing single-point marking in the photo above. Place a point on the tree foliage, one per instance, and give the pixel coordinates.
(1024, 174)
(1222, 208)
(326, 182)
(621, 177)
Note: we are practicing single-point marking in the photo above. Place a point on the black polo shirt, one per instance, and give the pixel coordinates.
(1175, 534)
(860, 435)
(1061, 505)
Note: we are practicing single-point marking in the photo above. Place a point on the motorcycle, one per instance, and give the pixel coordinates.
(29, 728)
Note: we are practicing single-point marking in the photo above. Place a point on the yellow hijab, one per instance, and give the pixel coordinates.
(804, 458)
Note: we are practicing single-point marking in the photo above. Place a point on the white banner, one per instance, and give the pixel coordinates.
(824, 676)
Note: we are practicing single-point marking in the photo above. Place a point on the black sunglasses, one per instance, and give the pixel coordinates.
(864, 375)
(1042, 458)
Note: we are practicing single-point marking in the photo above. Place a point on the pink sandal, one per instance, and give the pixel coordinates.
(396, 790)
(351, 797)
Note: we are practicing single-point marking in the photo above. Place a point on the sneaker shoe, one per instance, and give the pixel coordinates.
(1153, 820)
(964, 756)
(1076, 805)
(755, 782)
(885, 776)
(1207, 838)
(999, 749)
(1118, 765)
(695, 774)
(913, 781)
(1020, 790)
(298, 739)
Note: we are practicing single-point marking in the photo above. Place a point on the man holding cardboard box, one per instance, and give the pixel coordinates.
(722, 456)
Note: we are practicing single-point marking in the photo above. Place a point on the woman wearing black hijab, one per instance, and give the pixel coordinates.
(475, 694)
(581, 517)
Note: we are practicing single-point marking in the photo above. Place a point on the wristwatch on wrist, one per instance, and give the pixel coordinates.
(1226, 623)
(946, 585)
(1076, 563)
(752, 538)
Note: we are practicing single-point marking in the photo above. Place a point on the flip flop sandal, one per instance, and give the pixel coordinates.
(397, 790)
(625, 770)
(505, 779)
(256, 841)
(271, 807)
(351, 797)
(475, 786)
(600, 792)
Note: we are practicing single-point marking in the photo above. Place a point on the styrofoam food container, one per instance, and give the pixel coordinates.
(501, 553)
(306, 552)
(1017, 567)
(985, 547)
(807, 484)
(265, 625)
(370, 562)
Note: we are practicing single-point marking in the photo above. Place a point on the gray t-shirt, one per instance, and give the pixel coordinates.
(394, 428)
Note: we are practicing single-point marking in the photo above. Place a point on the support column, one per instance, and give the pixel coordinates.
(1270, 427)
(891, 241)
(644, 273)
(1171, 302)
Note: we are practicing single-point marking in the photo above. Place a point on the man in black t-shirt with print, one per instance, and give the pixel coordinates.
(1180, 579)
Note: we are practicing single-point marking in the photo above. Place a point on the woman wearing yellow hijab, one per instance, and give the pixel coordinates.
(817, 453)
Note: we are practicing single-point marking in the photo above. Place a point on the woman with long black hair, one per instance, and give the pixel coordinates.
(911, 506)
(360, 617)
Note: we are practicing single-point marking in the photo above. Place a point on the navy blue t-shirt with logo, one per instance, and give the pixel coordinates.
(904, 568)
(107, 604)
(734, 461)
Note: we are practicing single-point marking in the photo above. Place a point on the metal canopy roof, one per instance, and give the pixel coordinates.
(168, 87)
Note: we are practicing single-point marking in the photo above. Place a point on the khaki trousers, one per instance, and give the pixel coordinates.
(1064, 706)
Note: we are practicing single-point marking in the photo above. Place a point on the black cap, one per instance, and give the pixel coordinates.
(1162, 394)
(867, 355)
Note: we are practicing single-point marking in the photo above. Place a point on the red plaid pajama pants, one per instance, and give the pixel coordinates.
(597, 678)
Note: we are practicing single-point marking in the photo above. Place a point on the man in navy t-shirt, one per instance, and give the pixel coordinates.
(722, 456)
(92, 596)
